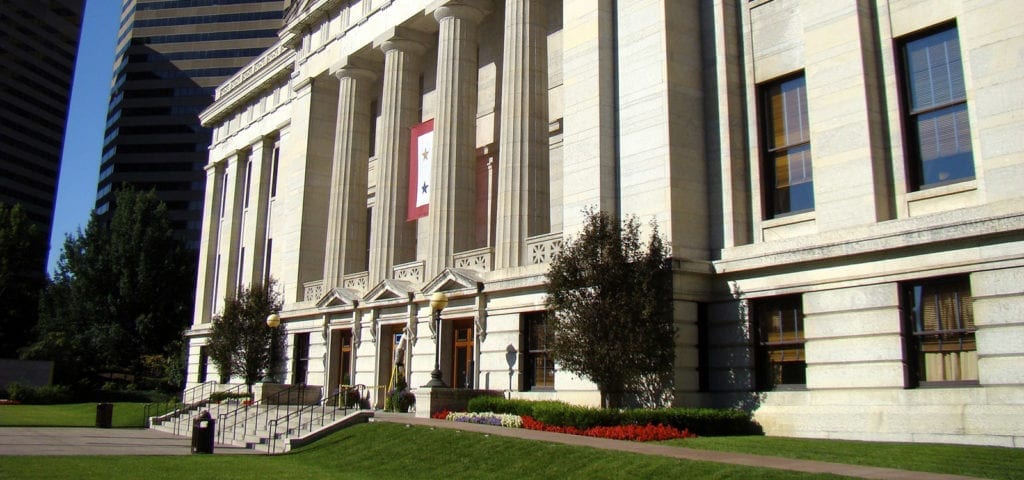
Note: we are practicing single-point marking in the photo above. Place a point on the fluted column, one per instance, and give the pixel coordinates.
(346, 221)
(523, 187)
(452, 176)
(392, 237)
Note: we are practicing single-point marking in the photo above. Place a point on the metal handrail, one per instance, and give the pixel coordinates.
(338, 398)
(187, 401)
(255, 407)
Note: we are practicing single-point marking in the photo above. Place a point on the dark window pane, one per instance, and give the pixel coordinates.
(939, 150)
(789, 178)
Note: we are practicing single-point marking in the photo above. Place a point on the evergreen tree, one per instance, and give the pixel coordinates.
(610, 304)
(122, 294)
(241, 342)
(22, 277)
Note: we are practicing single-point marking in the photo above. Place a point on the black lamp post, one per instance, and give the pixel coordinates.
(437, 303)
(273, 321)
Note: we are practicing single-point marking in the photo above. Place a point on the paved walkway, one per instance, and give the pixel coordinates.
(99, 441)
(137, 441)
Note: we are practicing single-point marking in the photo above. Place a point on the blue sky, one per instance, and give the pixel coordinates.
(83, 141)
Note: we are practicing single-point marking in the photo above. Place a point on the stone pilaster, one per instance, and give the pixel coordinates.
(590, 165)
(231, 226)
(208, 245)
(392, 237)
(452, 177)
(346, 221)
(255, 239)
(523, 186)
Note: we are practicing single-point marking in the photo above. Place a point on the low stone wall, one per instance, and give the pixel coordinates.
(269, 393)
(432, 400)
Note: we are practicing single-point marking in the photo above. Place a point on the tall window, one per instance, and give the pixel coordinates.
(939, 143)
(940, 331)
(789, 183)
(266, 261)
(300, 358)
(780, 343)
(538, 367)
(248, 183)
(204, 363)
(273, 170)
(224, 194)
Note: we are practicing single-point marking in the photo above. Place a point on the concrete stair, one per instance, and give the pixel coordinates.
(277, 429)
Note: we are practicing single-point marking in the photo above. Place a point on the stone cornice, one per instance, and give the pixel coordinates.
(275, 63)
(967, 224)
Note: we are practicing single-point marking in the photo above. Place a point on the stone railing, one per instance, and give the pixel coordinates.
(479, 259)
(312, 291)
(357, 281)
(410, 272)
(543, 248)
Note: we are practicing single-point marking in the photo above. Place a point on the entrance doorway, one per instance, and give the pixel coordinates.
(462, 353)
(341, 359)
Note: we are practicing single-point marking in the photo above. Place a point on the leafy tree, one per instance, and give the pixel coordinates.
(22, 277)
(610, 303)
(122, 293)
(240, 340)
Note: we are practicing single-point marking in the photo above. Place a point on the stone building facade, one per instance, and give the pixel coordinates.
(839, 182)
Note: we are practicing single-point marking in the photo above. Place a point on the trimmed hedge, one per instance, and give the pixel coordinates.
(46, 395)
(495, 404)
(702, 421)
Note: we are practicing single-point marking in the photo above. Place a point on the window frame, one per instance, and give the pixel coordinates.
(770, 153)
(764, 366)
(300, 358)
(533, 352)
(913, 161)
(916, 373)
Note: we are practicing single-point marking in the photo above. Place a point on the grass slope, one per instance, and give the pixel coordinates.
(383, 450)
(69, 415)
(984, 462)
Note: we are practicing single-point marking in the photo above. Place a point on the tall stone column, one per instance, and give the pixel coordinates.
(523, 186)
(392, 237)
(346, 221)
(452, 176)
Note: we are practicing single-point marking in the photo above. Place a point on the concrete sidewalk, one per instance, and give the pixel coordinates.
(99, 441)
(808, 466)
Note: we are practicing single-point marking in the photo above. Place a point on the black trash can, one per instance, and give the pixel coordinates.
(104, 415)
(202, 433)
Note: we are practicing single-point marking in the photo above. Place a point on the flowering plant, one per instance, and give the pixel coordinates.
(639, 433)
(487, 418)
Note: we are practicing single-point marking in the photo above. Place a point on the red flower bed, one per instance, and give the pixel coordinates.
(638, 433)
(442, 415)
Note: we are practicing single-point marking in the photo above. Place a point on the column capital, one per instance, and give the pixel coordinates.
(468, 10)
(404, 39)
(355, 67)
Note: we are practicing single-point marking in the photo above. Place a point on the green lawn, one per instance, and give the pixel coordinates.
(69, 415)
(384, 450)
(985, 462)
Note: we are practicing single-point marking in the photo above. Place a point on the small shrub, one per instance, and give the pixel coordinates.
(45, 395)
